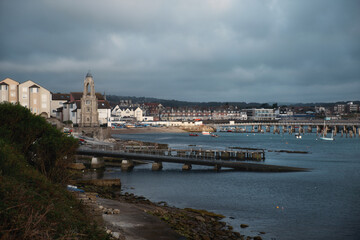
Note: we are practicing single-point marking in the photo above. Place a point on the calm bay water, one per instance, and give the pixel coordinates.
(321, 204)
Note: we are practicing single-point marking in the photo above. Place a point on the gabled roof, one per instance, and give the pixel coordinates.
(103, 105)
(61, 96)
(78, 95)
(4, 83)
(9, 80)
(34, 86)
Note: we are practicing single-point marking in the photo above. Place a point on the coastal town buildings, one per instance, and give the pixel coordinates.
(35, 97)
(57, 101)
(29, 94)
(9, 90)
(71, 110)
(260, 114)
(127, 113)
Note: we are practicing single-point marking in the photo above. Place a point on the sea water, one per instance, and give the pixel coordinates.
(323, 203)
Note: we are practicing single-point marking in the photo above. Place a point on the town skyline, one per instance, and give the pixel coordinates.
(215, 51)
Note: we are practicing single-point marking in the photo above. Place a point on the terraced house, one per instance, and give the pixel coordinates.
(29, 94)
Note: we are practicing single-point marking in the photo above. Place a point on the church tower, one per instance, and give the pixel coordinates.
(89, 105)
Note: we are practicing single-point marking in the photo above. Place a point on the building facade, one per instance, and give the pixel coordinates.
(9, 90)
(89, 107)
(35, 97)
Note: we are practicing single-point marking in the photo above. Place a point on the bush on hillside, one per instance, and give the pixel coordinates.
(43, 146)
(33, 202)
(32, 207)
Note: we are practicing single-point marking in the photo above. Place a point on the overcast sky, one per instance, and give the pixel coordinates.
(195, 50)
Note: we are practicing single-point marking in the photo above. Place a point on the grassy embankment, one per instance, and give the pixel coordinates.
(34, 203)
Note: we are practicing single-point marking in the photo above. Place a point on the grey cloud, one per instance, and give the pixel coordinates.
(218, 50)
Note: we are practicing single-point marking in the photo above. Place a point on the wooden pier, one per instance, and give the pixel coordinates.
(214, 158)
(346, 128)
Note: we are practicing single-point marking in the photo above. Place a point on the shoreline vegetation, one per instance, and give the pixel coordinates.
(35, 203)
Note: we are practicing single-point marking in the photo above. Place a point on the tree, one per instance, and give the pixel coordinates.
(44, 146)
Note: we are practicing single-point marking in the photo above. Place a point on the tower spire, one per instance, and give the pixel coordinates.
(89, 74)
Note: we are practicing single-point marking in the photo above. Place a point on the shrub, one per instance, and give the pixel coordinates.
(43, 146)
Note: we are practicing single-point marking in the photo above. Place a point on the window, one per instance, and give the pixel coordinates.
(43, 97)
(88, 102)
(24, 96)
(12, 94)
(24, 89)
(3, 87)
(12, 87)
(43, 105)
(35, 101)
(34, 90)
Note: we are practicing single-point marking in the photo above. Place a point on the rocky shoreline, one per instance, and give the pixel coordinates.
(191, 224)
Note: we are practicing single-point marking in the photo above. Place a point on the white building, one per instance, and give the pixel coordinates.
(260, 114)
(130, 112)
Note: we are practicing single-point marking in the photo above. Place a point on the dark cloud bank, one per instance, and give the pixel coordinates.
(213, 50)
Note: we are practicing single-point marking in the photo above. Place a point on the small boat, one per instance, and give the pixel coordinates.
(214, 135)
(229, 130)
(328, 138)
(205, 133)
(193, 135)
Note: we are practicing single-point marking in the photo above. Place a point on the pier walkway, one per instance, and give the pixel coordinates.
(214, 158)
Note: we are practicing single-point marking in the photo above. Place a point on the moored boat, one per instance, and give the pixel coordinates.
(193, 135)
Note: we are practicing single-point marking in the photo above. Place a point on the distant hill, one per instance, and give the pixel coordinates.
(113, 99)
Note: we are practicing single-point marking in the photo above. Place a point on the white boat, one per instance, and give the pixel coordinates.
(205, 133)
(297, 135)
(328, 138)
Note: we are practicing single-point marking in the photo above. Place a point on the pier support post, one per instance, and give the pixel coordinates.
(240, 156)
(267, 128)
(301, 129)
(256, 156)
(127, 165)
(225, 155)
(350, 133)
(275, 129)
(291, 129)
(157, 166)
(252, 128)
(309, 129)
(186, 167)
(284, 129)
(217, 167)
(97, 162)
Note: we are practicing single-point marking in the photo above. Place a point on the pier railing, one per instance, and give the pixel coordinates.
(198, 154)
